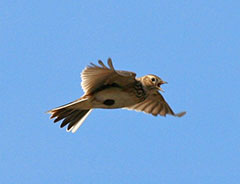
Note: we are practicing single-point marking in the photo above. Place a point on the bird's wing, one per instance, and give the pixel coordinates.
(155, 104)
(94, 77)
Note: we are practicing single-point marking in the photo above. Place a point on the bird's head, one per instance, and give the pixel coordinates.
(153, 82)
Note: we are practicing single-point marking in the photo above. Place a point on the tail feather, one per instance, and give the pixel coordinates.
(74, 125)
(62, 115)
(68, 119)
(72, 114)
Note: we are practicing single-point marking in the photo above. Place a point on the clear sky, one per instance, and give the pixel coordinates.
(194, 45)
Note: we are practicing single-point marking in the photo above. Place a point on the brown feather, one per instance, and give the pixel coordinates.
(151, 108)
(69, 118)
(94, 77)
(156, 109)
(55, 113)
(63, 115)
(77, 118)
(155, 104)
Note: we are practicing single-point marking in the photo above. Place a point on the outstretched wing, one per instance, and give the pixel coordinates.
(155, 104)
(95, 77)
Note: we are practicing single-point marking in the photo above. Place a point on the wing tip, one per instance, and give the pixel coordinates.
(180, 114)
(110, 64)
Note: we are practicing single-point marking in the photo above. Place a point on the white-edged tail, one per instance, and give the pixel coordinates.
(77, 125)
(73, 114)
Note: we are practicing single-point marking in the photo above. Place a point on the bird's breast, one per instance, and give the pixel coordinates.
(115, 97)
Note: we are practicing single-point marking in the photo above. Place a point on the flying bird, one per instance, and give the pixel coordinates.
(108, 88)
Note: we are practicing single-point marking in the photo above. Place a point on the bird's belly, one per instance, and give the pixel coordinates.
(114, 97)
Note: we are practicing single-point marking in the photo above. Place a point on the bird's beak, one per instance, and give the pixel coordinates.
(161, 89)
(162, 82)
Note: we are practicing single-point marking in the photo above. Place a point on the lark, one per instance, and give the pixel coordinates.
(108, 88)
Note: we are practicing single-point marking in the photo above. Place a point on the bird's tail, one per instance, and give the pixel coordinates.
(73, 114)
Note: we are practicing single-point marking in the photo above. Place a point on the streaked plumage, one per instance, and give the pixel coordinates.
(108, 88)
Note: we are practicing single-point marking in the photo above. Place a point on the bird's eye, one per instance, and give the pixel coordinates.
(153, 79)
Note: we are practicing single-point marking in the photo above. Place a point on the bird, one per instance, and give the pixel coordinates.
(107, 88)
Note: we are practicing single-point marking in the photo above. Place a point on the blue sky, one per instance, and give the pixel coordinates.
(194, 45)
